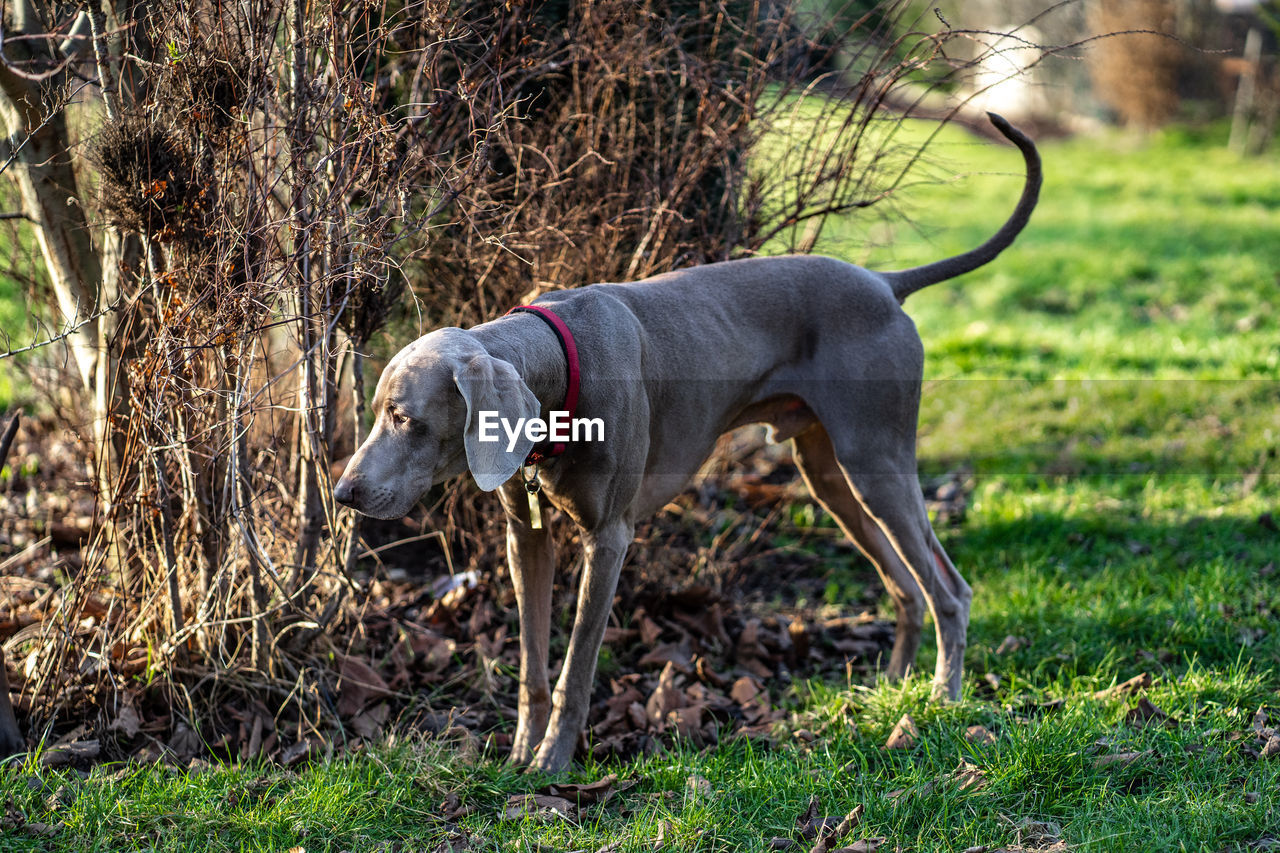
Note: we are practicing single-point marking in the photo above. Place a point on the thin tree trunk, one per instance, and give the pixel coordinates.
(310, 510)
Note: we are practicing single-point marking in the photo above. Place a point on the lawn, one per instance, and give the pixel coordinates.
(1108, 390)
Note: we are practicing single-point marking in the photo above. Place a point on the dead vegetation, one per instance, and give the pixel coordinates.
(271, 177)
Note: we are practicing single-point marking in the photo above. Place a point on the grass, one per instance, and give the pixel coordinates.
(1110, 382)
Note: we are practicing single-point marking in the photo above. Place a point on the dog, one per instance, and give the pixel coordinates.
(818, 349)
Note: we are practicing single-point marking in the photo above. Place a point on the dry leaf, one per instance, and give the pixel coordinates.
(675, 654)
(696, 786)
(1145, 713)
(828, 838)
(1010, 644)
(1139, 682)
(61, 756)
(979, 735)
(1260, 720)
(1124, 758)
(521, 806)
(904, 734)
(358, 684)
(127, 722)
(866, 845)
(591, 792)
(666, 698)
(1272, 747)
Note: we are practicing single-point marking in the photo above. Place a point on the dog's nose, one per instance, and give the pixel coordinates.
(345, 492)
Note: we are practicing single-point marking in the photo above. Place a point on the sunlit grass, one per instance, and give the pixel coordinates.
(1110, 383)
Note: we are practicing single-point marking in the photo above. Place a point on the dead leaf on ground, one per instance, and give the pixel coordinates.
(829, 836)
(1272, 747)
(1145, 713)
(970, 776)
(452, 809)
(979, 735)
(540, 806)
(904, 734)
(697, 786)
(866, 845)
(1010, 644)
(1140, 681)
(674, 654)
(358, 684)
(127, 723)
(61, 756)
(661, 841)
(589, 793)
(1260, 720)
(1121, 758)
(666, 698)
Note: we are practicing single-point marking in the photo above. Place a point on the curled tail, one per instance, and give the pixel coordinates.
(907, 282)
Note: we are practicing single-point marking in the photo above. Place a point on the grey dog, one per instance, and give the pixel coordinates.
(816, 348)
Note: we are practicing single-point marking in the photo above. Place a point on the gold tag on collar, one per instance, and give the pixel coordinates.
(535, 511)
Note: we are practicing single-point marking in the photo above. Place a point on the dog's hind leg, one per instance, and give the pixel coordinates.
(826, 482)
(531, 559)
(875, 449)
(890, 493)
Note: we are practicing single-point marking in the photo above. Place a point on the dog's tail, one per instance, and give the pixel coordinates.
(907, 282)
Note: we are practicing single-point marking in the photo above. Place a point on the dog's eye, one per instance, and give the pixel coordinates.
(398, 417)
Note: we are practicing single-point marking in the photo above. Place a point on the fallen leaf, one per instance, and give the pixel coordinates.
(661, 841)
(979, 735)
(1272, 747)
(828, 838)
(1124, 758)
(127, 723)
(61, 756)
(674, 654)
(452, 808)
(904, 734)
(1145, 712)
(1260, 720)
(866, 845)
(666, 698)
(521, 806)
(697, 786)
(358, 685)
(970, 776)
(744, 690)
(1140, 681)
(591, 792)
(1010, 644)
(809, 815)
(369, 724)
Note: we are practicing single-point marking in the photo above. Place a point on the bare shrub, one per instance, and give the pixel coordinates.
(280, 171)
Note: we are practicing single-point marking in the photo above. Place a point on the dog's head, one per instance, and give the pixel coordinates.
(427, 412)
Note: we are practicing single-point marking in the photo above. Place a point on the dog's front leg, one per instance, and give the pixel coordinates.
(605, 549)
(531, 559)
(10, 735)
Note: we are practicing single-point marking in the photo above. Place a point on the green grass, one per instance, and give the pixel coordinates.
(1111, 383)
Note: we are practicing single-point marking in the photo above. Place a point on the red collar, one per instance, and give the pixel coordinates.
(570, 348)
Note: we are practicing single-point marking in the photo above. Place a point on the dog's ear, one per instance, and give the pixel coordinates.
(490, 384)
